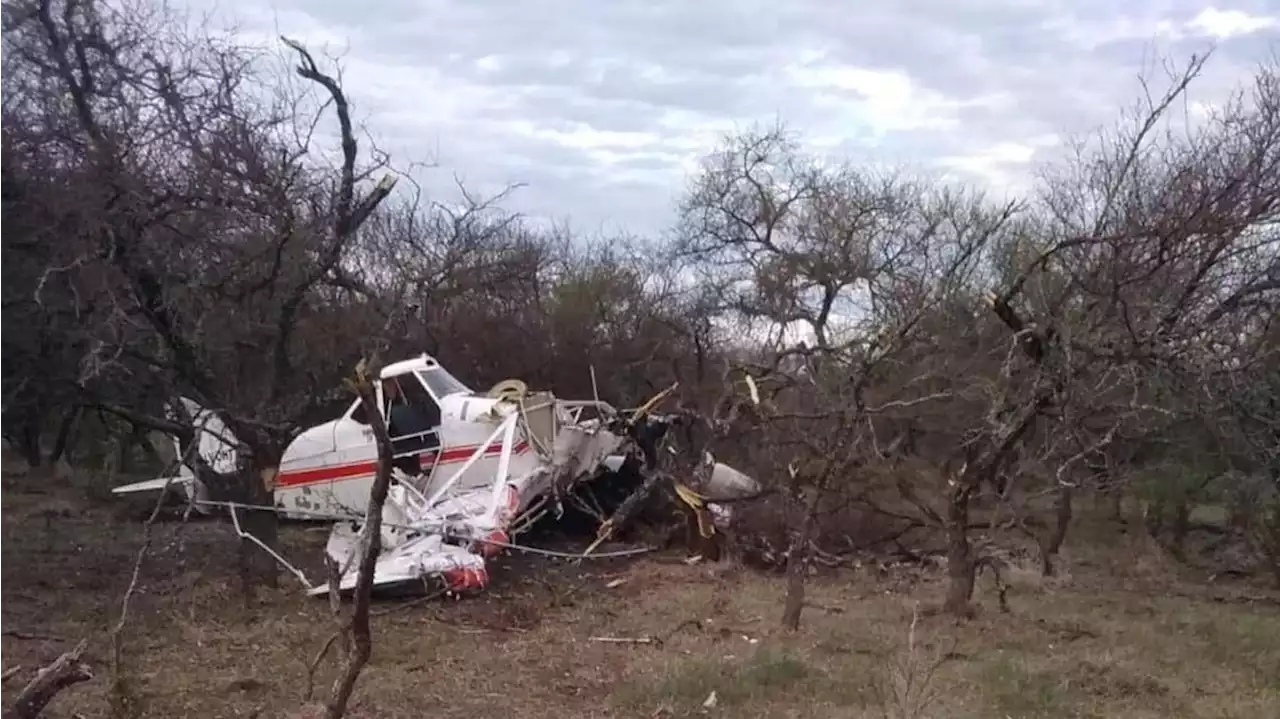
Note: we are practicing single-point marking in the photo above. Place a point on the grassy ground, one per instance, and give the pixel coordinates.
(1124, 634)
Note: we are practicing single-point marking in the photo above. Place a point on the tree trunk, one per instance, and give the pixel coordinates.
(137, 434)
(361, 635)
(798, 563)
(32, 431)
(1242, 507)
(1154, 519)
(249, 492)
(257, 567)
(960, 564)
(1052, 542)
(155, 463)
(65, 432)
(30, 444)
(1181, 525)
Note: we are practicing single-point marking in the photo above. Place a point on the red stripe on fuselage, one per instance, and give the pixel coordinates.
(341, 472)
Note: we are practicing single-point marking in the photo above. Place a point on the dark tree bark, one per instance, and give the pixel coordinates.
(362, 640)
(1181, 526)
(65, 671)
(137, 434)
(1154, 518)
(961, 567)
(30, 442)
(798, 561)
(66, 431)
(1051, 544)
(257, 567)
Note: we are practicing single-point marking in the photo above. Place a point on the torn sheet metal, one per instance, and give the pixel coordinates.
(444, 528)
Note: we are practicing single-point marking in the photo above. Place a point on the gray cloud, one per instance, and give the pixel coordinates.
(602, 107)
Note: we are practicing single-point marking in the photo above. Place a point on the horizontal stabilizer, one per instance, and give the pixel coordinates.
(153, 485)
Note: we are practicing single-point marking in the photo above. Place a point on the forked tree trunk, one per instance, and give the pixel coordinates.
(798, 562)
(960, 564)
(32, 432)
(1051, 543)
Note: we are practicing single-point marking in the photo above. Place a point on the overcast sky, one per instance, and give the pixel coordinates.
(602, 106)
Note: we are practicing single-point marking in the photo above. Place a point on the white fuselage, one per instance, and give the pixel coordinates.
(329, 469)
(327, 472)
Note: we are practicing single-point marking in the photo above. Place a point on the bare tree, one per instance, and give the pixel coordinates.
(1124, 299)
(1047, 331)
(203, 228)
(857, 263)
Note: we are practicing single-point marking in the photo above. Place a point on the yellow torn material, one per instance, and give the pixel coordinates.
(706, 527)
(690, 497)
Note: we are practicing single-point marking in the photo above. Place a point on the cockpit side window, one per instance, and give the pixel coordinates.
(409, 403)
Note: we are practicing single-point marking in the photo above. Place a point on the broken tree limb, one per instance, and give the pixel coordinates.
(627, 510)
(65, 671)
(644, 409)
(659, 640)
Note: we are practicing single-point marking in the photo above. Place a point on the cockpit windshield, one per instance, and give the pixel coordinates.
(441, 383)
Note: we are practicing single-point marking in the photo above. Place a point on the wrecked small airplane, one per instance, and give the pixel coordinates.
(470, 471)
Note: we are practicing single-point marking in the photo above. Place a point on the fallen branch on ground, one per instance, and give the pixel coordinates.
(33, 636)
(65, 671)
(625, 640)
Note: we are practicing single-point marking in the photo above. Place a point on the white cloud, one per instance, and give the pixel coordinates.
(1002, 166)
(1224, 24)
(602, 107)
(884, 101)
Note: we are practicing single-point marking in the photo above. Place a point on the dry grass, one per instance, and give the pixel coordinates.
(1109, 640)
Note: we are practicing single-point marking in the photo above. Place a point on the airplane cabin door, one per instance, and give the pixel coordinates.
(413, 422)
